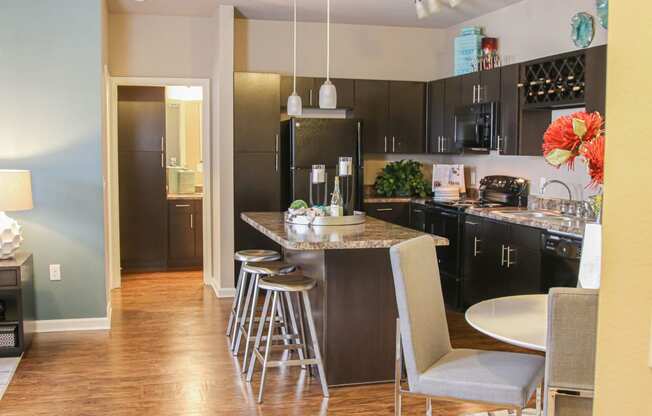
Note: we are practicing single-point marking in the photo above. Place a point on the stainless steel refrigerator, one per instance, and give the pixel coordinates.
(319, 141)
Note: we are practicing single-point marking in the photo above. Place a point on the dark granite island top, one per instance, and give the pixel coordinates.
(373, 233)
(353, 303)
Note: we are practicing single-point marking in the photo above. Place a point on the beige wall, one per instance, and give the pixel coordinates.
(623, 375)
(161, 46)
(529, 29)
(371, 52)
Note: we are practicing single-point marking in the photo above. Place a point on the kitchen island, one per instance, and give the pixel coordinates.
(354, 305)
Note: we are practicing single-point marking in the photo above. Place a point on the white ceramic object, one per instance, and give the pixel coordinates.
(517, 320)
(10, 237)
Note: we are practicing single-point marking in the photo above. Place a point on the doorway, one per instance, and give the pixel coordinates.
(159, 177)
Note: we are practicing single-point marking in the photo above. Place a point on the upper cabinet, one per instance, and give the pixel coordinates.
(436, 107)
(507, 143)
(372, 106)
(393, 115)
(452, 101)
(596, 79)
(407, 112)
(480, 87)
(256, 123)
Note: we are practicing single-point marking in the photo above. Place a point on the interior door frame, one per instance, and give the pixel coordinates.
(111, 191)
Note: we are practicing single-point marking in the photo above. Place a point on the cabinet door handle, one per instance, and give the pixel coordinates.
(475, 87)
(276, 143)
(276, 162)
(384, 209)
(385, 144)
(498, 144)
(418, 211)
(192, 222)
(182, 206)
(393, 144)
(502, 255)
(476, 240)
(449, 215)
(162, 160)
(310, 96)
(162, 144)
(470, 223)
(509, 256)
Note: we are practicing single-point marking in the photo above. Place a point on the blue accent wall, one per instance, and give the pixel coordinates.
(51, 123)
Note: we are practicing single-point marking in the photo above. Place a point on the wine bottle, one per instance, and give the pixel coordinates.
(337, 209)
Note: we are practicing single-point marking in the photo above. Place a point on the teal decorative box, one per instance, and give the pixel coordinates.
(468, 50)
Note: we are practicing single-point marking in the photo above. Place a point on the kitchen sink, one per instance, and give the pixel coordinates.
(542, 215)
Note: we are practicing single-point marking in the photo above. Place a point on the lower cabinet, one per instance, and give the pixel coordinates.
(500, 259)
(185, 239)
(418, 214)
(395, 212)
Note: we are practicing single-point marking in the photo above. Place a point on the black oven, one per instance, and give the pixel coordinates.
(476, 127)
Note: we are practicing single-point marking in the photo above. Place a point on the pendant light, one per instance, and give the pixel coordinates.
(327, 92)
(294, 107)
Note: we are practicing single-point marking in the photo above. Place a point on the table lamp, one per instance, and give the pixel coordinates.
(15, 195)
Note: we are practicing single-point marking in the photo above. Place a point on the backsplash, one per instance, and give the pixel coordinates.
(532, 168)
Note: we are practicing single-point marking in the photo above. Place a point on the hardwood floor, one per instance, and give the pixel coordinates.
(167, 355)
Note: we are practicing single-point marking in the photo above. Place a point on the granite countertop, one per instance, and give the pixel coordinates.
(387, 199)
(373, 233)
(574, 226)
(174, 197)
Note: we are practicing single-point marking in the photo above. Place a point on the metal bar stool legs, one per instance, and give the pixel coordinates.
(279, 288)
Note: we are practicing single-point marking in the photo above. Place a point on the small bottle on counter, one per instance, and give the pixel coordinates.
(337, 209)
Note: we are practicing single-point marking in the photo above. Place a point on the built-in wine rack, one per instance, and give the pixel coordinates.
(558, 82)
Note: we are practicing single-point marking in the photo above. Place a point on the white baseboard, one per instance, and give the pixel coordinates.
(83, 324)
(228, 292)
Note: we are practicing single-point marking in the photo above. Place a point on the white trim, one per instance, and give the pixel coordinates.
(65, 325)
(228, 292)
(206, 158)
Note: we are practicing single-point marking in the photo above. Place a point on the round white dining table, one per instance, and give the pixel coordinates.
(517, 320)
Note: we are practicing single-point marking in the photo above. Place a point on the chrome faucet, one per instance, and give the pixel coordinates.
(551, 181)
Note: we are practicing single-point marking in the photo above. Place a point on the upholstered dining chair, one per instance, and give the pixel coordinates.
(570, 351)
(434, 368)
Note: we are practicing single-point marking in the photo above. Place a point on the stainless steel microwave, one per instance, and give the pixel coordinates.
(476, 126)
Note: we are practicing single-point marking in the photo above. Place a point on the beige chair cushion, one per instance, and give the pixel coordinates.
(486, 376)
(269, 267)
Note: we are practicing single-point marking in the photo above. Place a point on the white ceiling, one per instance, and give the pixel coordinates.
(365, 12)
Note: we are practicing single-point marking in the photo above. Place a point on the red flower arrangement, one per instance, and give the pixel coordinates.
(579, 134)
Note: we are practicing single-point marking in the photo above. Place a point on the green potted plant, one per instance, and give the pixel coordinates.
(401, 179)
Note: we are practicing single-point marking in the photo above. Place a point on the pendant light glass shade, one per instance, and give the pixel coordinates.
(434, 6)
(328, 92)
(294, 106)
(422, 13)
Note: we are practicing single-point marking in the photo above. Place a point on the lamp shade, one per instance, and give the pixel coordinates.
(15, 190)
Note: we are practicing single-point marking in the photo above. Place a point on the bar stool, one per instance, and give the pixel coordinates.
(245, 256)
(277, 287)
(259, 270)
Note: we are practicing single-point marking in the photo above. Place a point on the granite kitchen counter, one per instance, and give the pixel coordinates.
(373, 233)
(387, 200)
(181, 197)
(574, 226)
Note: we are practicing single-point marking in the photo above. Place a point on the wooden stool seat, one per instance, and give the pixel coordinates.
(247, 256)
(295, 282)
(270, 268)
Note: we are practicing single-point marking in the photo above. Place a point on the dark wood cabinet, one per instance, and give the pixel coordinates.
(372, 107)
(407, 111)
(452, 101)
(17, 295)
(509, 110)
(500, 259)
(489, 87)
(469, 88)
(305, 89)
(436, 108)
(396, 212)
(256, 122)
(185, 235)
(393, 115)
(345, 91)
(141, 164)
(596, 79)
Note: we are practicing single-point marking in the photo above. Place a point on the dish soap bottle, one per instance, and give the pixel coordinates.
(337, 210)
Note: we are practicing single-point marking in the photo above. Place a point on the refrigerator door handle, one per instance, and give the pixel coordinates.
(385, 144)
(359, 144)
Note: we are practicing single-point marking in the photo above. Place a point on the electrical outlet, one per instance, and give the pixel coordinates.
(55, 272)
